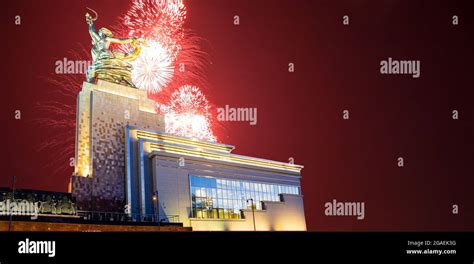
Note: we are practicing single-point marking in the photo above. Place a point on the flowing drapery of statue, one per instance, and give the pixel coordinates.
(111, 65)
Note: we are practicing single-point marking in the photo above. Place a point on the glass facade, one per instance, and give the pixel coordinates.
(223, 198)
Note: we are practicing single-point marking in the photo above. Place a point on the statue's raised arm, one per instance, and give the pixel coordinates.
(92, 30)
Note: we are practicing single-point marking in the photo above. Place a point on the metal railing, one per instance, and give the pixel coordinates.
(122, 217)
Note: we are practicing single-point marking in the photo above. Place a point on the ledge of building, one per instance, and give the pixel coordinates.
(225, 159)
(216, 219)
(145, 104)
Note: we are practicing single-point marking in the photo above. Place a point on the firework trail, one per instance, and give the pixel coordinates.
(60, 116)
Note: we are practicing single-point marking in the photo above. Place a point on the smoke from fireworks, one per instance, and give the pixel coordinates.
(188, 114)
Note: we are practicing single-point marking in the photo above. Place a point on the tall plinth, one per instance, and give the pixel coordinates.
(104, 111)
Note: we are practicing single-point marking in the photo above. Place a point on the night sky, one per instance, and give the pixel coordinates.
(337, 67)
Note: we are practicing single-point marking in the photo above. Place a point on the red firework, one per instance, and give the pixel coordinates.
(160, 20)
(188, 114)
(157, 20)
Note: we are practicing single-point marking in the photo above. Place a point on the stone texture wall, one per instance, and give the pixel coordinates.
(112, 107)
(82, 192)
(82, 161)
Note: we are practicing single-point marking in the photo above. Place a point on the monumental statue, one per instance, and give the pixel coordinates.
(111, 65)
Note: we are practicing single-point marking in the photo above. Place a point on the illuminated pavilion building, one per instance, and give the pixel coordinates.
(125, 164)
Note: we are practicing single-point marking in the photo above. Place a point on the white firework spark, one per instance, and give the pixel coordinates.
(188, 114)
(161, 20)
(153, 69)
(188, 125)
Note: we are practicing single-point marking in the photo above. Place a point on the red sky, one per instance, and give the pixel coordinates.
(299, 113)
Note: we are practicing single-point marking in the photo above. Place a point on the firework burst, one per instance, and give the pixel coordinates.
(175, 57)
(158, 20)
(161, 22)
(176, 60)
(153, 69)
(188, 114)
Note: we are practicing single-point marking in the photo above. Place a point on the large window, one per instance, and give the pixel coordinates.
(222, 198)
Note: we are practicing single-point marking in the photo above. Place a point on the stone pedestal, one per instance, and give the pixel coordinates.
(104, 110)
